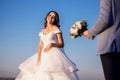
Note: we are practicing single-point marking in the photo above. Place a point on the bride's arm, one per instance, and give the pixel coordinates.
(60, 43)
(40, 46)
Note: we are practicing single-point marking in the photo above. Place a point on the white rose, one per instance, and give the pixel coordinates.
(73, 32)
(78, 25)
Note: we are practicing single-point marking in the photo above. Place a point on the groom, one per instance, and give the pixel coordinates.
(108, 29)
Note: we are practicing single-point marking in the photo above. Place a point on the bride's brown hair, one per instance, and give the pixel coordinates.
(56, 21)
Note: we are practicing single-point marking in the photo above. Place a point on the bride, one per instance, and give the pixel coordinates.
(50, 63)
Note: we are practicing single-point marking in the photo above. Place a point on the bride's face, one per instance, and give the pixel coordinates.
(51, 18)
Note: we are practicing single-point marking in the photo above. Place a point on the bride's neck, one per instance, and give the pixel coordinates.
(49, 26)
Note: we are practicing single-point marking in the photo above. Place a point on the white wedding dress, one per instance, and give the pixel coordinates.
(54, 64)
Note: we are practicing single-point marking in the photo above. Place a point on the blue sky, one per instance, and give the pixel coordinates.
(21, 21)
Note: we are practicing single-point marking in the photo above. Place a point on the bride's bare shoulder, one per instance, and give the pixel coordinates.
(43, 30)
(55, 27)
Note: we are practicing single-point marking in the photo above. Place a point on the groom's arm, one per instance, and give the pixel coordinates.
(104, 20)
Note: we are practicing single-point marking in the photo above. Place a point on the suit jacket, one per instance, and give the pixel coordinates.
(107, 27)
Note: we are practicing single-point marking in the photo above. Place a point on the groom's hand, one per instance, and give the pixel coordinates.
(85, 33)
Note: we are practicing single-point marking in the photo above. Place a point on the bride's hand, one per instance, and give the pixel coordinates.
(38, 62)
(48, 47)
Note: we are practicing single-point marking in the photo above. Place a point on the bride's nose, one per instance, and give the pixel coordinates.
(51, 17)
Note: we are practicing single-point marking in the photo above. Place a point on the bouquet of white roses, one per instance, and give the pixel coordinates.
(78, 28)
